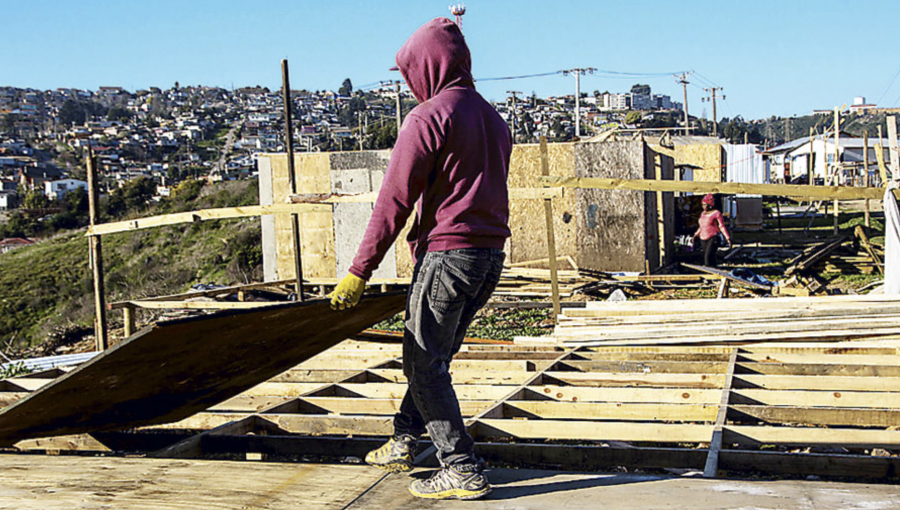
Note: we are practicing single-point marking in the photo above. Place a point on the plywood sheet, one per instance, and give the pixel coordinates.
(316, 227)
(174, 369)
(708, 157)
(527, 219)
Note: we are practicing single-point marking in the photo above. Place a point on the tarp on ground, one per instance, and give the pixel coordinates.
(171, 370)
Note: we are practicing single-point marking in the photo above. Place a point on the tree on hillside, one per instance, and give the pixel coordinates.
(117, 113)
(632, 117)
(643, 90)
(346, 88)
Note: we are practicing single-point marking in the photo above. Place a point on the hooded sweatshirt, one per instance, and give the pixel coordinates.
(451, 158)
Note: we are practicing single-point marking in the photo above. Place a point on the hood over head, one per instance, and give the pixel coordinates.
(434, 58)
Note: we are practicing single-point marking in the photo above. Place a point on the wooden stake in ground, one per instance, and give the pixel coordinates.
(866, 176)
(551, 238)
(289, 148)
(96, 254)
(837, 163)
(892, 143)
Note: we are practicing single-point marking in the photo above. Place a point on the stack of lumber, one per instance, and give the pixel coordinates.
(531, 282)
(735, 321)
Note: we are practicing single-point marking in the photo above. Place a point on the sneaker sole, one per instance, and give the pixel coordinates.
(394, 467)
(453, 494)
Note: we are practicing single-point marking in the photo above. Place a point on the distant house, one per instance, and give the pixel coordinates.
(8, 200)
(11, 243)
(57, 189)
(790, 162)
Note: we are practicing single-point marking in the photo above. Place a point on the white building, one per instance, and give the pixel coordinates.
(55, 190)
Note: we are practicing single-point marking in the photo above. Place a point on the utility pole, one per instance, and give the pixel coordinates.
(359, 132)
(578, 71)
(289, 148)
(787, 130)
(513, 92)
(712, 97)
(684, 83)
(399, 107)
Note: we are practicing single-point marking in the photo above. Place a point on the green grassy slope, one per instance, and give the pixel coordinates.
(48, 285)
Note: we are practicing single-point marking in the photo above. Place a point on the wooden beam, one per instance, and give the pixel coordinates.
(621, 394)
(603, 411)
(894, 149)
(879, 157)
(818, 382)
(816, 398)
(191, 447)
(805, 436)
(839, 417)
(711, 469)
(660, 212)
(223, 213)
(594, 430)
(728, 188)
(372, 196)
(551, 237)
(96, 257)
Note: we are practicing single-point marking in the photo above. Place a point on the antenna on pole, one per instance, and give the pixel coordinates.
(458, 10)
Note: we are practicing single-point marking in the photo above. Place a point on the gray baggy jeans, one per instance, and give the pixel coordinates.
(448, 288)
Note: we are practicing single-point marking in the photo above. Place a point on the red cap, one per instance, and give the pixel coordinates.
(708, 199)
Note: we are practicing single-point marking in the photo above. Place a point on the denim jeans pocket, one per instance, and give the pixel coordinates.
(456, 281)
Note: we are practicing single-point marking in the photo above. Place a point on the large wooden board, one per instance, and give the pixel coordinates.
(174, 369)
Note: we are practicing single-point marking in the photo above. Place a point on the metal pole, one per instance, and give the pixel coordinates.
(96, 254)
(289, 148)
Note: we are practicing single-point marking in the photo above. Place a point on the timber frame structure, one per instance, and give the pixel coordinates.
(774, 408)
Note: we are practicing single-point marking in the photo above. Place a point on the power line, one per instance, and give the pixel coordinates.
(888, 87)
(517, 77)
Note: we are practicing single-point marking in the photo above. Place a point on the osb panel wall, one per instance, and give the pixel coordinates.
(527, 220)
(316, 227)
(611, 223)
(709, 157)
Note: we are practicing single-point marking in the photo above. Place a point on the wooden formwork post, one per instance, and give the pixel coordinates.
(894, 149)
(837, 166)
(289, 148)
(96, 257)
(660, 212)
(551, 238)
(128, 320)
(866, 176)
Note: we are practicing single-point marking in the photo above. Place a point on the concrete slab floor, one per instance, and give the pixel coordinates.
(535, 489)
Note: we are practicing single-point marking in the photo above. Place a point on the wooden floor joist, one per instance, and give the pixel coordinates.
(710, 403)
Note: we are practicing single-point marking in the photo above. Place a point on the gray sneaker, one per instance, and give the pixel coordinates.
(395, 456)
(451, 482)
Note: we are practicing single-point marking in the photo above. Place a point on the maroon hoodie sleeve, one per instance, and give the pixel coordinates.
(407, 174)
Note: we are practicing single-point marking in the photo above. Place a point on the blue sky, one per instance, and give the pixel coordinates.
(772, 58)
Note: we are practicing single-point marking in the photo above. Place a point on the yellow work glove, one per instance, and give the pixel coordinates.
(347, 293)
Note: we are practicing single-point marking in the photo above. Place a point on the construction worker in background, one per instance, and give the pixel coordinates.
(451, 160)
(711, 223)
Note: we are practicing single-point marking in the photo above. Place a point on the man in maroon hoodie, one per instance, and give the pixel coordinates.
(450, 161)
